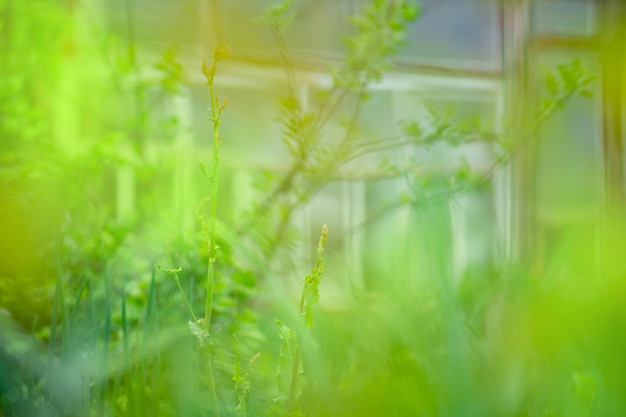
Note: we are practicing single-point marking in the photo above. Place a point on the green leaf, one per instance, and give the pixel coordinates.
(169, 270)
(285, 370)
(412, 129)
(551, 82)
(204, 169)
(410, 11)
(278, 16)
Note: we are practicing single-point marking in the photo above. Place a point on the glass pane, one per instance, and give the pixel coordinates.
(374, 121)
(569, 175)
(442, 236)
(250, 130)
(408, 247)
(564, 17)
(570, 150)
(376, 116)
(319, 26)
(474, 230)
(238, 28)
(569, 161)
(155, 20)
(457, 33)
(443, 157)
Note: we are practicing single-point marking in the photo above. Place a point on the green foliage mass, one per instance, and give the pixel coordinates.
(109, 315)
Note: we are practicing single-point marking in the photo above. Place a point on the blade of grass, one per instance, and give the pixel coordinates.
(106, 336)
(151, 299)
(77, 301)
(125, 335)
(92, 366)
(129, 373)
(150, 364)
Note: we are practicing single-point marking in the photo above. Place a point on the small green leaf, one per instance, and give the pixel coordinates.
(220, 53)
(205, 171)
(410, 11)
(551, 82)
(412, 129)
(169, 270)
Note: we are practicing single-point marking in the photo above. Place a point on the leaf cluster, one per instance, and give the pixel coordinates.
(288, 375)
(379, 31)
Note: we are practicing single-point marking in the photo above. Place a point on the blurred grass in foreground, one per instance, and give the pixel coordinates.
(88, 327)
(507, 343)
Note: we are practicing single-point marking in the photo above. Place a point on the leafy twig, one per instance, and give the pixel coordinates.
(220, 53)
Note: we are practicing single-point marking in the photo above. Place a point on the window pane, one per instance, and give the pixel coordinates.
(569, 161)
(443, 157)
(155, 20)
(569, 177)
(319, 26)
(570, 151)
(457, 33)
(564, 17)
(238, 27)
(249, 128)
(442, 236)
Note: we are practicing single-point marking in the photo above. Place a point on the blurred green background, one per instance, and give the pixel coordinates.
(502, 298)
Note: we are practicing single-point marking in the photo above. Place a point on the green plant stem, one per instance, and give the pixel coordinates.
(309, 281)
(293, 380)
(215, 113)
(209, 366)
(180, 288)
(216, 110)
(293, 377)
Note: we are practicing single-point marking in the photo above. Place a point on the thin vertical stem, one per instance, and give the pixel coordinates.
(216, 110)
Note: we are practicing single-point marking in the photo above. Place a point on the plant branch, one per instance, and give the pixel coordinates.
(219, 54)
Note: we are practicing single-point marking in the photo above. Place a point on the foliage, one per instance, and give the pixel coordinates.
(311, 293)
(93, 329)
(288, 375)
(378, 33)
